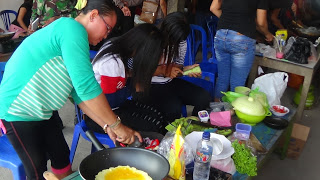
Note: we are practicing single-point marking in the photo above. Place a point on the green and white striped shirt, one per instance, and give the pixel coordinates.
(48, 67)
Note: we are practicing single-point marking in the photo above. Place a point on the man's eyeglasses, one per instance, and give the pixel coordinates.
(109, 28)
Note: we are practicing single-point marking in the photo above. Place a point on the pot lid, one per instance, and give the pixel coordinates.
(249, 106)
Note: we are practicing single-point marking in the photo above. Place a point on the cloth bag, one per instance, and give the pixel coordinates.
(149, 12)
(273, 85)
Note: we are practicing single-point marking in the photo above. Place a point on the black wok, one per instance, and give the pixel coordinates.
(6, 36)
(148, 161)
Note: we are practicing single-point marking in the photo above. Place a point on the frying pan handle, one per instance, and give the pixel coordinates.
(96, 143)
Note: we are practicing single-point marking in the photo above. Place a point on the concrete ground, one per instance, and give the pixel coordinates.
(305, 167)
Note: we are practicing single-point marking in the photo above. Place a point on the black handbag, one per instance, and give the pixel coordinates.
(299, 51)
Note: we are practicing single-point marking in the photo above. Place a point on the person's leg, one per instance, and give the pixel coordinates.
(28, 141)
(191, 94)
(128, 21)
(224, 64)
(58, 119)
(57, 147)
(242, 57)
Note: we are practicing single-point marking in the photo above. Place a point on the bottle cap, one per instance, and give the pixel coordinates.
(206, 135)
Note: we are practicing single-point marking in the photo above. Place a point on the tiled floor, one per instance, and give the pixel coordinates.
(305, 167)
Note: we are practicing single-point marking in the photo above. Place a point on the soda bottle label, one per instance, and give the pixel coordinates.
(203, 156)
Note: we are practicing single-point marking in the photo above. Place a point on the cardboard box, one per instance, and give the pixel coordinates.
(298, 138)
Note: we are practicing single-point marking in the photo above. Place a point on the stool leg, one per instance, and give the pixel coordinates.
(75, 141)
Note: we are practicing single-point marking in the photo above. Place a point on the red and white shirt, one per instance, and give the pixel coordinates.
(110, 73)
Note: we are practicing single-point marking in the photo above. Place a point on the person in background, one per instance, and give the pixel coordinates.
(46, 69)
(21, 23)
(169, 93)
(235, 42)
(50, 10)
(201, 10)
(275, 15)
(162, 10)
(1, 30)
(135, 56)
(127, 13)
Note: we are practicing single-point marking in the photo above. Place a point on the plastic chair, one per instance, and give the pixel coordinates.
(209, 69)
(212, 23)
(80, 129)
(93, 54)
(5, 16)
(8, 156)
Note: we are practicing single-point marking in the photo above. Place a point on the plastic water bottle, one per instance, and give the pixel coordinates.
(202, 159)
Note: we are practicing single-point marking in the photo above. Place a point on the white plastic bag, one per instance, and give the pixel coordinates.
(273, 85)
(225, 165)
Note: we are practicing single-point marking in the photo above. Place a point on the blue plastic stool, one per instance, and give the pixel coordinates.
(8, 156)
(10, 159)
(80, 129)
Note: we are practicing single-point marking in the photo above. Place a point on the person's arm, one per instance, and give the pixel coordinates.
(215, 7)
(99, 110)
(163, 6)
(22, 13)
(274, 18)
(262, 25)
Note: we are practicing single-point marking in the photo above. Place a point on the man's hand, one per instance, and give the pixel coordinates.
(126, 11)
(47, 22)
(269, 37)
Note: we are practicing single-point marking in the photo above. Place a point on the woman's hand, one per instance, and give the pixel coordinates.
(186, 68)
(112, 135)
(175, 72)
(125, 134)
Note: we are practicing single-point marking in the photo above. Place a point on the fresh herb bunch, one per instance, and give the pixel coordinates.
(245, 162)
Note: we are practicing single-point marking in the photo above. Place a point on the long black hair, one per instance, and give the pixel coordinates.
(104, 7)
(142, 43)
(175, 29)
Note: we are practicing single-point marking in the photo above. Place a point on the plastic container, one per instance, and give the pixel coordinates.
(243, 131)
(204, 116)
(202, 158)
(279, 110)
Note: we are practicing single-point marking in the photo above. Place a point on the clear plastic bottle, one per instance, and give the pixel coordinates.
(202, 159)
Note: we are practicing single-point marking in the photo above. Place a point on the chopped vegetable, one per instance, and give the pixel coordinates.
(245, 162)
(278, 109)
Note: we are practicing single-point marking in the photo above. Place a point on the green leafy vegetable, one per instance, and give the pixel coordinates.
(245, 162)
(185, 127)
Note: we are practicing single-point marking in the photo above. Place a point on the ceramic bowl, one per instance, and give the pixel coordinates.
(279, 110)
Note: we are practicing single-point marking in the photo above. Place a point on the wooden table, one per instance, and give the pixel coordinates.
(305, 70)
(267, 136)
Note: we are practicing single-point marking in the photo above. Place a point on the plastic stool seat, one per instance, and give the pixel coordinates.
(10, 159)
